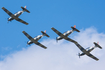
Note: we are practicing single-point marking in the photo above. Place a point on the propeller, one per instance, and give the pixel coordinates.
(79, 55)
(56, 40)
(27, 43)
(7, 20)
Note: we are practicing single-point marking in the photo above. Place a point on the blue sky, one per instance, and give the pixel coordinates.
(87, 15)
(61, 14)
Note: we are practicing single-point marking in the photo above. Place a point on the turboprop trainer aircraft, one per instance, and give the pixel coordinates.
(89, 49)
(16, 15)
(67, 33)
(35, 39)
(85, 51)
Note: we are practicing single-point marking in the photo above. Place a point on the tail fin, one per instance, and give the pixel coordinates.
(44, 33)
(97, 45)
(24, 8)
(74, 28)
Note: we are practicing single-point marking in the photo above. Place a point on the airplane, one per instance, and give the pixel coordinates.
(67, 33)
(88, 50)
(35, 39)
(16, 15)
(85, 51)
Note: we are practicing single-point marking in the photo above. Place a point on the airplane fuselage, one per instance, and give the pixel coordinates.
(67, 33)
(16, 15)
(89, 49)
(35, 38)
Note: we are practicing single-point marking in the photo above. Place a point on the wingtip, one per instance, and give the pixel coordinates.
(45, 47)
(23, 31)
(52, 28)
(29, 12)
(2, 7)
(27, 24)
(97, 59)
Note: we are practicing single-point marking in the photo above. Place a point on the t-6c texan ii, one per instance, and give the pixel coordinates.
(85, 51)
(67, 33)
(89, 49)
(35, 39)
(16, 15)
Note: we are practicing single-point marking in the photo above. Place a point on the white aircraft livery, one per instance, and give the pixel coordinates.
(35, 39)
(16, 15)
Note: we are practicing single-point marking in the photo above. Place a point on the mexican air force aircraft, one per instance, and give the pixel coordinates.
(67, 33)
(85, 51)
(89, 49)
(35, 39)
(16, 15)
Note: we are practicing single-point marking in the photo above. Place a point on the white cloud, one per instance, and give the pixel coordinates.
(58, 56)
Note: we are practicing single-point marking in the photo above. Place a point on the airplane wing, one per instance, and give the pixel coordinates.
(86, 52)
(60, 34)
(90, 55)
(76, 43)
(30, 38)
(80, 47)
(20, 20)
(65, 37)
(56, 31)
(12, 15)
(8, 12)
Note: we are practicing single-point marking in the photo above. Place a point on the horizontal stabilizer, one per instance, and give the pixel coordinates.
(97, 45)
(74, 28)
(44, 33)
(24, 8)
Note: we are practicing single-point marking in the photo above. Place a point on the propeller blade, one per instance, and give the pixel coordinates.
(7, 20)
(56, 40)
(79, 55)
